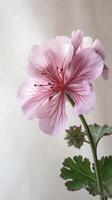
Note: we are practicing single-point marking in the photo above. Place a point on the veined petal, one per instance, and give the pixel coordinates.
(43, 66)
(82, 88)
(85, 104)
(62, 51)
(31, 97)
(83, 97)
(50, 58)
(37, 62)
(86, 65)
(61, 48)
(55, 119)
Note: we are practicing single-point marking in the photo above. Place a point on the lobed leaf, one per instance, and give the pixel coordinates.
(78, 174)
(98, 132)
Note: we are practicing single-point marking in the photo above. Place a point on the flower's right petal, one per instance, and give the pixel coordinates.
(83, 96)
(85, 104)
(86, 65)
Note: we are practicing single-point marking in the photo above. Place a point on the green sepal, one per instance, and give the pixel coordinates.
(75, 137)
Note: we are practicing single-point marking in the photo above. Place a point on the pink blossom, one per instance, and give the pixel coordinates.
(85, 42)
(56, 68)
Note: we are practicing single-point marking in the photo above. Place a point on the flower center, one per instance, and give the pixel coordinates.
(55, 81)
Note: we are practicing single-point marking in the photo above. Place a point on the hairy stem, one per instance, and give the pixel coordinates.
(94, 151)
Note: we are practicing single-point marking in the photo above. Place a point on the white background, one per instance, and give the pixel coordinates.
(29, 160)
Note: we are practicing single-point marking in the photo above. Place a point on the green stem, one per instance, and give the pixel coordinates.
(93, 149)
(94, 153)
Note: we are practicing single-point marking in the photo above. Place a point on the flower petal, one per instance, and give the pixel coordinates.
(36, 62)
(36, 65)
(51, 57)
(86, 65)
(56, 118)
(86, 42)
(85, 104)
(99, 48)
(61, 48)
(83, 97)
(62, 51)
(76, 39)
(32, 97)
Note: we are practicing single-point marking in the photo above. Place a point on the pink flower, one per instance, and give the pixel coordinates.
(56, 68)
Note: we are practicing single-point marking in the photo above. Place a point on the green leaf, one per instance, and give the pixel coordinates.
(105, 165)
(78, 173)
(98, 132)
(75, 137)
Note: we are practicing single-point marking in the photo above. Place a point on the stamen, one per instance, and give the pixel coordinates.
(45, 85)
(38, 85)
(43, 73)
(50, 97)
(60, 74)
